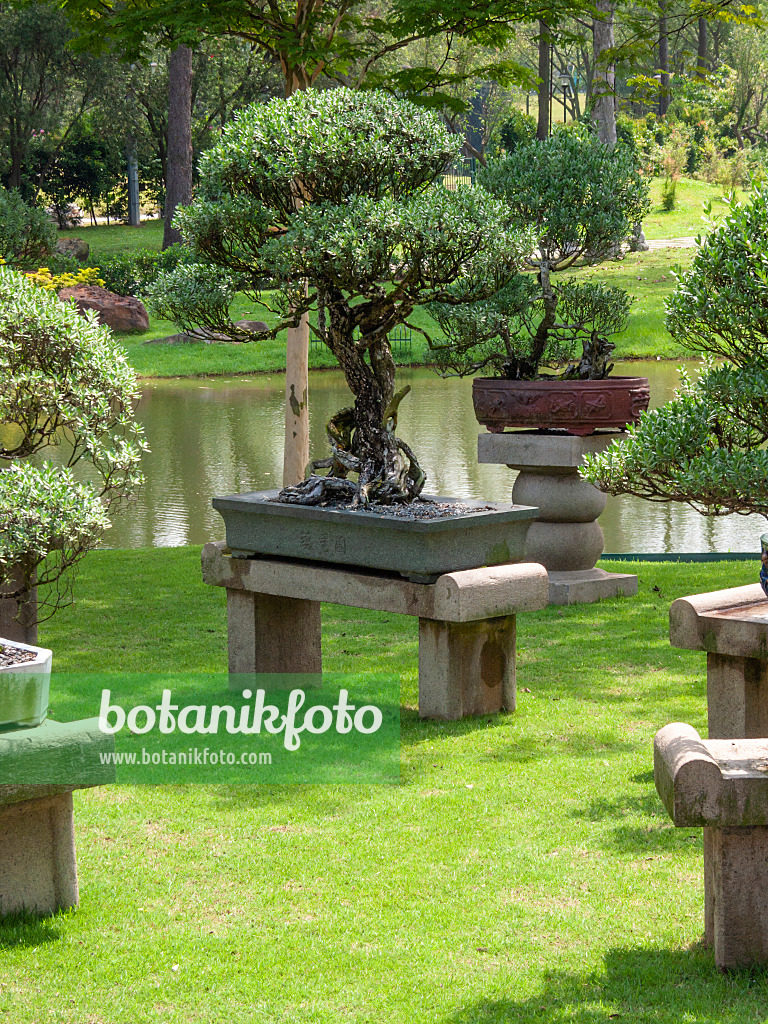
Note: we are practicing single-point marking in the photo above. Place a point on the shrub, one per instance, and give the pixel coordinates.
(625, 133)
(44, 278)
(707, 446)
(133, 272)
(669, 192)
(64, 382)
(518, 130)
(27, 236)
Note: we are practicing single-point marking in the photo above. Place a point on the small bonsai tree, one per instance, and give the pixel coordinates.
(336, 199)
(706, 446)
(63, 384)
(583, 199)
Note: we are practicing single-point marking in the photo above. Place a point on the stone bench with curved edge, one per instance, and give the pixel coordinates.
(39, 768)
(732, 627)
(467, 625)
(722, 786)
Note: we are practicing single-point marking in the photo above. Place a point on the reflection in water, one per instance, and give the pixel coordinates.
(226, 437)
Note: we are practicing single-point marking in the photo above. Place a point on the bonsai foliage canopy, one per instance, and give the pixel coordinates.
(706, 446)
(583, 199)
(67, 391)
(335, 199)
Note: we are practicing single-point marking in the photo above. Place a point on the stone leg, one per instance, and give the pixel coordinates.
(736, 882)
(466, 668)
(38, 863)
(272, 634)
(737, 697)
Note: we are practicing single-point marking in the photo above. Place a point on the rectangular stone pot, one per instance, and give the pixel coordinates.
(24, 687)
(419, 549)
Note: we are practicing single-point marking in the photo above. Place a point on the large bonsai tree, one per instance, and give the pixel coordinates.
(706, 446)
(64, 384)
(583, 199)
(335, 199)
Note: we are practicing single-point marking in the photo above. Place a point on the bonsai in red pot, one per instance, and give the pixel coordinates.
(583, 199)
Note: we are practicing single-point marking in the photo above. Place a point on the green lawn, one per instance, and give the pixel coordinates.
(647, 276)
(524, 869)
(685, 220)
(106, 241)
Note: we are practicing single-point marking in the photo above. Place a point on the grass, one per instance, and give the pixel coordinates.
(108, 240)
(524, 869)
(685, 220)
(646, 276)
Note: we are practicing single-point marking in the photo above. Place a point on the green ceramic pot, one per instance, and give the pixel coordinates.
(24, 688)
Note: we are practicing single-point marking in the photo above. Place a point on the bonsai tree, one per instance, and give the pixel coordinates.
(583, 199)
(64, 385)
(336, 200)
(706, 446)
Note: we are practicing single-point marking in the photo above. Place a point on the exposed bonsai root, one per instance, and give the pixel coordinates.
(593, 364)
(387, 470)
(399, 481)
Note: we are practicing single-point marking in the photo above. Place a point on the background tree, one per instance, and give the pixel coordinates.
(178, 178)
(45, 90)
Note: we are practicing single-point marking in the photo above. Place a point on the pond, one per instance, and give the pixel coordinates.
(211, 436)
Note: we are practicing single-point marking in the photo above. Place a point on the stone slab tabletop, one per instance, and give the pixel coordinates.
(717, 783)
(732, 622)
(466, 596)
(522, 449)
(52, 758)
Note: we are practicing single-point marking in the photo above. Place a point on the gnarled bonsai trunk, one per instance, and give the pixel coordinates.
(362, 438)
(527, 368)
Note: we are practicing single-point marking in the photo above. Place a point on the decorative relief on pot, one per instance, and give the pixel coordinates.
(578, 407)
(568, 405)
(639, 399)
(598, 406)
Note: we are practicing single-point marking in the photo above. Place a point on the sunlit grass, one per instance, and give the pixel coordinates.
(524, 869)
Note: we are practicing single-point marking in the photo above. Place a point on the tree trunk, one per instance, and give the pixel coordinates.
(542, 132)
(178, 185)
(18, 606)
(701, 57)
(363, 438)
(604, 109)
(296, 443)
(663, 59)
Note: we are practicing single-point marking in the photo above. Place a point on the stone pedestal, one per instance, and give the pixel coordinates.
(467, 627)
(722, 785)
(732, 627)
(39, 768)
(566, 537)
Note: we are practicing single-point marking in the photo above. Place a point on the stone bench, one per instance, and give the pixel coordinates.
(39, 769)
(722, 785)
(732, 627)
(467, 627)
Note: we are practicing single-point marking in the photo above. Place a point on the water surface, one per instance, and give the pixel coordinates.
(213, 436)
